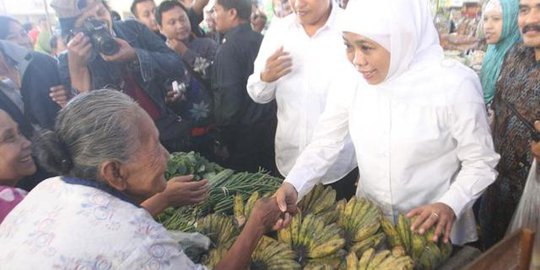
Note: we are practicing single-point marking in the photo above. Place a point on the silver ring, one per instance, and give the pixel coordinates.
(435, 215)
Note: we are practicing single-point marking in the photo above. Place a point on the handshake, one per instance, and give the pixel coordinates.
(275, 213)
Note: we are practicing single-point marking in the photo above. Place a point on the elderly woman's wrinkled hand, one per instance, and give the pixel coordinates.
(266, 213)
(427, 216)
(182, 190)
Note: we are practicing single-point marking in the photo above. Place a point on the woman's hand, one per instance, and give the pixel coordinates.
(438, 214)
(286, 197)
(182, 190)
(179, 191)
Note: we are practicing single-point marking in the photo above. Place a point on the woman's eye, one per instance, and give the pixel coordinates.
(366, 48)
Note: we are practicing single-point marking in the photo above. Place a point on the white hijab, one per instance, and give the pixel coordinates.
(404, 27)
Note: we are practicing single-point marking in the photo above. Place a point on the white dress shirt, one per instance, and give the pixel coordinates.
(414, 145)
(301, 95)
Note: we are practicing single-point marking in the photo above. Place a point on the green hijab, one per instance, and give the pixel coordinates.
(494, 57)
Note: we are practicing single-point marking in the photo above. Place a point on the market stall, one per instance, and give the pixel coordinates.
(326, 234)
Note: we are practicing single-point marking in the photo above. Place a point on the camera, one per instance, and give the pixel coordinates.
(100, 37)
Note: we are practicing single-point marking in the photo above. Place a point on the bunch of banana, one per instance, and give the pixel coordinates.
(214, 256)
(360, 220)
(320, 201)
(273, 255)
(242, 211)
(219, 229)
(421, 248)
(333, 261)
(311, 238)
(382, 260)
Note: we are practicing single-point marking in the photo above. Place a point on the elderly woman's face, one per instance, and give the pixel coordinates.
(145, 169)
(368, 57)
(16, 159)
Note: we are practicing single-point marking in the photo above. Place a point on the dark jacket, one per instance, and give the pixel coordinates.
(154, 67)
(232, 67)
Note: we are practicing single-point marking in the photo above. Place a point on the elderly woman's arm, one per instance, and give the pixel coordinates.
(264, 217)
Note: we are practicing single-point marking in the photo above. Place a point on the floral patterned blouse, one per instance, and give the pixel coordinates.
(9, 198)
(68, 223)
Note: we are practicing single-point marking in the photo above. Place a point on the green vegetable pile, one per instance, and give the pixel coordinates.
(224, 185)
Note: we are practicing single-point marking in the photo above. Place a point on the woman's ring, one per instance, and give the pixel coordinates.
(435, 215)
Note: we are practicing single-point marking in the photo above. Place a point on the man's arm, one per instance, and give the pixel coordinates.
(263, 90)
(76, 62)
(156, 59)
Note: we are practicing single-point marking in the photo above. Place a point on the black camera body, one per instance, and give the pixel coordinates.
(100, 37)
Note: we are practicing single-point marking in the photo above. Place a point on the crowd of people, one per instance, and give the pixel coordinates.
(353, 94)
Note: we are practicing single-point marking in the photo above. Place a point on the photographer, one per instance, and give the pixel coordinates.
(125, 56)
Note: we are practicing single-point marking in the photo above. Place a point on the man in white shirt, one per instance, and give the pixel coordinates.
(294, 66)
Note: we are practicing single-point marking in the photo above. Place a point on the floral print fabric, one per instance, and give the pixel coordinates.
(69, 226)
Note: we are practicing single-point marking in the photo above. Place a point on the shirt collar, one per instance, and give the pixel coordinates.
(239, 28)
(101, 186)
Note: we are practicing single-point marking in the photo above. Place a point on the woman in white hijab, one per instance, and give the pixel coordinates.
(418, 122)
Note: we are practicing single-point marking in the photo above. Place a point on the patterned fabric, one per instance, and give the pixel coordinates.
(71, 226)
(9, 198)
(197, 104)
(520, 86)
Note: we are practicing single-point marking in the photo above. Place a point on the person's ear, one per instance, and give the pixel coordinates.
(233, 13)
(113, 174)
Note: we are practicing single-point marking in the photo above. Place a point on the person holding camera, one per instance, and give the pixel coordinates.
(121, 55)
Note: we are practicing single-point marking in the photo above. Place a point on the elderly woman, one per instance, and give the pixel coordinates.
(16, 162)
(501, 32)
(418, 123)
(108, 152)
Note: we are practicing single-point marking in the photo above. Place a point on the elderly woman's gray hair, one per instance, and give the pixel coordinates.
(94, 127)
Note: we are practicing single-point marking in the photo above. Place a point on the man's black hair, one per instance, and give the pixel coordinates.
(243, 7)
(166, 6)
(134, 4)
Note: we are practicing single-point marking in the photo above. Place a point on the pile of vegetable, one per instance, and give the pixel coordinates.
(224, 184)
(325, 234)
(355, 236)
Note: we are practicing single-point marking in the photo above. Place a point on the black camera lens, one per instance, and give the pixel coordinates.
(107, 46)
(102, 40)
